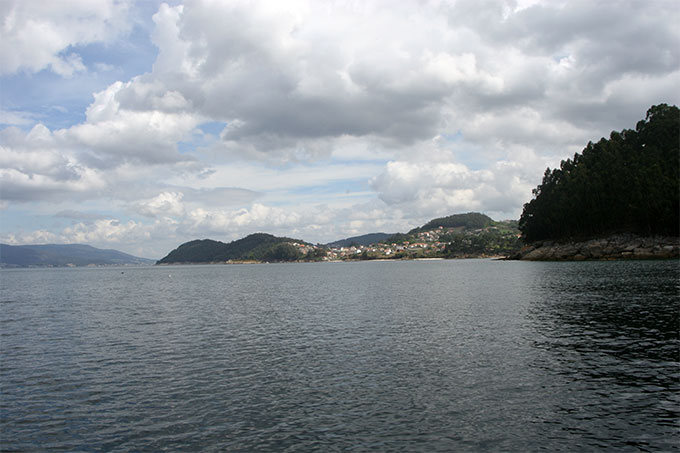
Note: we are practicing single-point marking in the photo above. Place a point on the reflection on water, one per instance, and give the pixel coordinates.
(612, 333)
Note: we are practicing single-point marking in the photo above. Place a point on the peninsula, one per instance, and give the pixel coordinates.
(456, 236)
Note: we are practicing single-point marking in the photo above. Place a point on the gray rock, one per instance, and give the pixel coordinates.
(614, 247)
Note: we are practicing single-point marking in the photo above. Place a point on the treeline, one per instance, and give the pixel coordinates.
(491, 241)
(628, 183)
(485, 243)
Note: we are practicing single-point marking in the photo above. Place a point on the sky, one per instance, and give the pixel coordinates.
(141, 125)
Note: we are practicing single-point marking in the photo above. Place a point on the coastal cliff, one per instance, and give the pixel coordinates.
(615, 247)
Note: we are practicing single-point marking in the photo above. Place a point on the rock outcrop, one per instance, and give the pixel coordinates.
(615, 247)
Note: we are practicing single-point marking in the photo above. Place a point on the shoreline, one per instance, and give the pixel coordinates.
(608, 248)
(383, 260)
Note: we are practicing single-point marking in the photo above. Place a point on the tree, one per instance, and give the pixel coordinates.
(627, 183)
(282, 252)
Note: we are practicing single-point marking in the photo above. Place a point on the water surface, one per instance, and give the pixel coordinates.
(469, 355)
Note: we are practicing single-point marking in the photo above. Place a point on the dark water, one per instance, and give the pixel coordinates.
(472, 355)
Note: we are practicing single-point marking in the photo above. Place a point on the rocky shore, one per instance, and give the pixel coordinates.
(615, 247)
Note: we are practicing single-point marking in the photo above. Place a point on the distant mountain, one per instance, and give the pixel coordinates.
(256, 247)
(366, 239)
(59, 255)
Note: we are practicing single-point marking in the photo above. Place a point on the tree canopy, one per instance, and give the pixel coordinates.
(258, 246)
(628, 183)
(470, 220)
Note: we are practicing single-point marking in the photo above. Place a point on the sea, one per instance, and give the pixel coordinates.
(414, 356)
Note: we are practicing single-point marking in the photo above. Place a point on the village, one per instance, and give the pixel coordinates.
(424, 244)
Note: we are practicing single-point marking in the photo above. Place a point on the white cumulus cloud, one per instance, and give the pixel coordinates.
(37, 34)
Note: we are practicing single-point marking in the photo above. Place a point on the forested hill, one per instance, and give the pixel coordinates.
(628, 183)
(256, 247)
(470, 220)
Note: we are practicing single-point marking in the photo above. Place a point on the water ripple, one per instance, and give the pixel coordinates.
(429, 356)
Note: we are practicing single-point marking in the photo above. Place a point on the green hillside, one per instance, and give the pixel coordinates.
(365, 239)
(470, 220)
(257, 247)
(460, 235)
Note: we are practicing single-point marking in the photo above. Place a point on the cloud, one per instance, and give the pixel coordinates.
(106, 231)
(325, 119)
(220, 196)
(78, 215)
(178, 201)
(33, 237)
(34, 166)
(255, 218)
(37, 35)
(113, 135)
(100, 232)
(285, 79)
(290, 78)
(626, 45)
(138, 238)
(428, 189)
(294, 81)
(165, 204)
(562, 58)
(45, 165)
(85, 160)
(15, 118)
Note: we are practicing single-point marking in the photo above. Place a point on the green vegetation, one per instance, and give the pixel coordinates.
(490, 242)
(626, 184)
(460, 235)
(366, 239)
(398, 238)
(318, 253)
(256, 247)
(281, 252)
(456, 236)
(470, 220)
